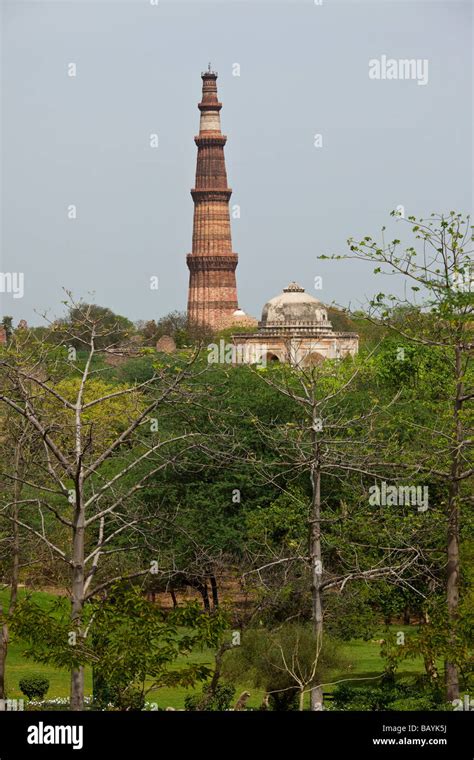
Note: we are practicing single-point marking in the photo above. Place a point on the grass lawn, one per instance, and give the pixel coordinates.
(363, 658)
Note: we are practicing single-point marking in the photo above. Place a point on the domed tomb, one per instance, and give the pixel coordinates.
(294, 328)
(294, 308)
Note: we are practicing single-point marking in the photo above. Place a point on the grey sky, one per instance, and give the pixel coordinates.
(304, 70)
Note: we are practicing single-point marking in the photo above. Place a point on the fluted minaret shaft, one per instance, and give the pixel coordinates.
(212, 297)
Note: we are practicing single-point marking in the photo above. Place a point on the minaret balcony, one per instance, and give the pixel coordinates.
(211, 138)
(217, 194)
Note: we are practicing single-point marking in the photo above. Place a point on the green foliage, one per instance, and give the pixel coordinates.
(131, 644)
(227, 333)
(283, 701)
(350, 614)
(7, 323)
(440, 638)
(283, 523)
(111, 329)
(34, 687)
(117, 694)
(137, 370)
(209, 700)
(175, 324)
(389, 695)
(256, 441)
(341, 321)
(285, 662)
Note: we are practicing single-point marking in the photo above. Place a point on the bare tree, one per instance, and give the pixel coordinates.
(328, 440)
(91, 466)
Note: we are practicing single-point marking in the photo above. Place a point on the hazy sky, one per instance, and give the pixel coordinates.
(304, 70)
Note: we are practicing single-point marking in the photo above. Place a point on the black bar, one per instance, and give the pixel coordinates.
(120, 734)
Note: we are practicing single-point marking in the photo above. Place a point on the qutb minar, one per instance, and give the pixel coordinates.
(212, 297)
(294, 326)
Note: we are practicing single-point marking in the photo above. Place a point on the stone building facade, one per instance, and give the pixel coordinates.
(294, 329)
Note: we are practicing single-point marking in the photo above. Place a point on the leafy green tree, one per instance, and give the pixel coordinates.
(436, 312)
(174, 324)
(81, 322)
(206, 499)
(7, 323)
(131, 644)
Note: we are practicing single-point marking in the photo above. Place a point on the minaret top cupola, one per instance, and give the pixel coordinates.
(209, 105)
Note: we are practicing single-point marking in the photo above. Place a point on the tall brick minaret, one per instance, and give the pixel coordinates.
(212, 297)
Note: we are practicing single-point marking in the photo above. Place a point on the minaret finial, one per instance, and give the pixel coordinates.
(209, 72)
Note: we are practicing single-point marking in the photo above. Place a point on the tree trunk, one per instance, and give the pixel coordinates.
(203, 590)
(452, 572)
(316, 559)
(14, 571)
(173, 597)
(301, 701)
(216, 675)
(77, 674)
(3, 657)
(214, 591)
(430, 668)
(429, 662)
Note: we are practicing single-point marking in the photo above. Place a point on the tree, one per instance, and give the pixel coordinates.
(283, 662)
(7, 323)
(333, 435)
(205, 499)
(127, 674)
(16, 460)
(99, 448)
(174, 324)
(76, 329)
(436, 313)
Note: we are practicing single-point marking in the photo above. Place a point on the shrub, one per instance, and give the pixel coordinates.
(279, 660)
(117, 695)
(283, 701)
(34, 687)
(389, 695)
(219, 700)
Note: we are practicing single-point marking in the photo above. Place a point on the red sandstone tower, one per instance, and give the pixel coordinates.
(212, 297)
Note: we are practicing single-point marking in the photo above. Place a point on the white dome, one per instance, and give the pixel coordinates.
(293, 306)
